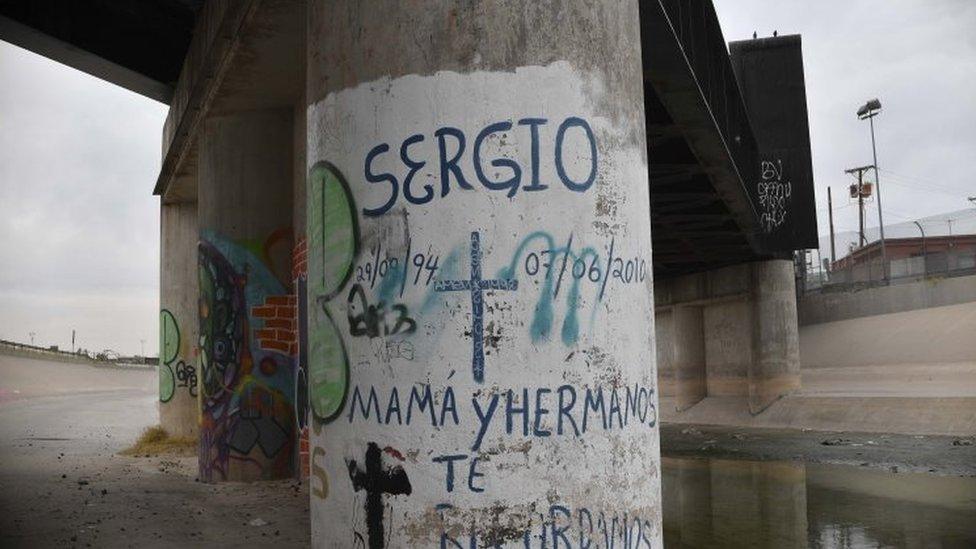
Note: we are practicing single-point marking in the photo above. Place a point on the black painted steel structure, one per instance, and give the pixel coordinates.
(770, 76)
(711, 133)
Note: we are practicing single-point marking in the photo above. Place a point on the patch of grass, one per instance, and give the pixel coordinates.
(156, 441)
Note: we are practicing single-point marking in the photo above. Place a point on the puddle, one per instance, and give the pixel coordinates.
(724, 503)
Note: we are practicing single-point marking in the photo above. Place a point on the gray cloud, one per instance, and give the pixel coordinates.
(79, 241)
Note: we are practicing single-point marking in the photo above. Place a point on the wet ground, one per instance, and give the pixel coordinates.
(62, 483)
(941, 455)
(737, 503)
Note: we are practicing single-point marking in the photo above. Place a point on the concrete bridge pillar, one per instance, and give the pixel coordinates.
(681, 355)
(247, 308)
(729, 332)
(179, 412)
(481, 352)
(776, 364)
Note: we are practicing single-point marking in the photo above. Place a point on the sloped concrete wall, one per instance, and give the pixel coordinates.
(816, 308)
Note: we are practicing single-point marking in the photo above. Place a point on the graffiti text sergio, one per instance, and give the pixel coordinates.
(508, 175)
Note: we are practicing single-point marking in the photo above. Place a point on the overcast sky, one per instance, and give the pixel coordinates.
(79, 227)
(919, 58)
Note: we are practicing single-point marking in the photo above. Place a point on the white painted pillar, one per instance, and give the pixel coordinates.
(481, 353)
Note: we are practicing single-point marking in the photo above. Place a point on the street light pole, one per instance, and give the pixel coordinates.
(925, 255)
(869, 110)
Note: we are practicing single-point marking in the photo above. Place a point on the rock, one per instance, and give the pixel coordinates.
(962, 442)
(258, 522)
(836, 442)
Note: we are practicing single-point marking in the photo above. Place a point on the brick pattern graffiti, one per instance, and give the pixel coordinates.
(247, 403)
(279, 333)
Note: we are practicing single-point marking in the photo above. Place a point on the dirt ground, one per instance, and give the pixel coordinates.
(62, 483)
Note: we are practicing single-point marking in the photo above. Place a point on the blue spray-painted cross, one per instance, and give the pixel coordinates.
(476, 285)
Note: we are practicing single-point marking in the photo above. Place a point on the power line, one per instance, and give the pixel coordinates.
(920, 183)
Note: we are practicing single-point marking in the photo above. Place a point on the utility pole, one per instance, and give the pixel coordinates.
(860, 199)
(830, 213)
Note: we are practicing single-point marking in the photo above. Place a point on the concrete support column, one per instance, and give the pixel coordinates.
(179, 412)
(688, 356)
(775, 368)
(247, 310)
(481, 351)
(681, 354)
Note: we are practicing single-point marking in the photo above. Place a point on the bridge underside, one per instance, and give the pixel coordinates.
(701, 149)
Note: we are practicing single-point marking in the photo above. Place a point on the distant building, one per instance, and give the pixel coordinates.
(909, 257)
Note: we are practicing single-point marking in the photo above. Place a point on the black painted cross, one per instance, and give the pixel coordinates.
(476, 286)
(377, 481)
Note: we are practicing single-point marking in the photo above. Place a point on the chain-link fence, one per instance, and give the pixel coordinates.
(814, 277)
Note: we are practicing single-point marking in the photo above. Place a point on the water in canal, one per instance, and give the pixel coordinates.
(723, 503)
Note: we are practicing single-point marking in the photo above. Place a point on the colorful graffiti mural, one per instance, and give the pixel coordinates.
(247, 419)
